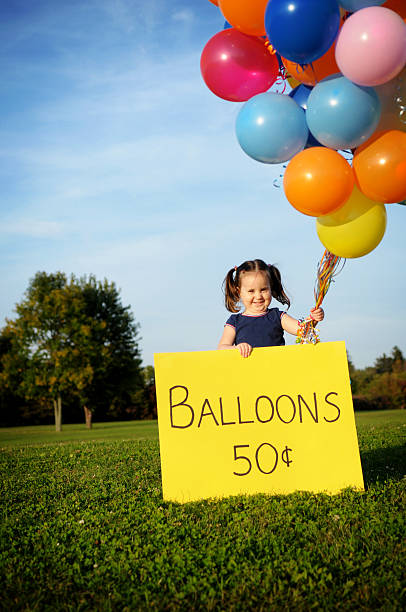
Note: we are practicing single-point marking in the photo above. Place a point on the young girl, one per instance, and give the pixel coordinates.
(254, 283)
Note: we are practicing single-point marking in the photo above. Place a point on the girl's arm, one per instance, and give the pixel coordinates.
(227, 342)
(291, 325)
(227, 339)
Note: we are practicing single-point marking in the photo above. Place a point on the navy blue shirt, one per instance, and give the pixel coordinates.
(258, 330)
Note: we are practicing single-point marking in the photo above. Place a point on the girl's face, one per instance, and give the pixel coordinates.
(255, 292)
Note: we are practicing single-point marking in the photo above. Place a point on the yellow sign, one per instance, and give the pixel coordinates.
(279, 421)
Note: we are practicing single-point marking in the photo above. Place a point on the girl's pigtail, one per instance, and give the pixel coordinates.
(277, 289)
(231, 295)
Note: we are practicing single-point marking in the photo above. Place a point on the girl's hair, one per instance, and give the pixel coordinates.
(232, 282)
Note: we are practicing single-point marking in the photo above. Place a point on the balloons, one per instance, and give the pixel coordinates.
(342, 115)
(246, 16)
(236, 67)
(292, 81)
(349, 92)
(399, 6)
(392, 96)
(300, 95)
(318, 181)
(356, 5)
(371, 46)
(271, 128)
(355, 229)
(302, 30)
(380, 167)
(311, 74)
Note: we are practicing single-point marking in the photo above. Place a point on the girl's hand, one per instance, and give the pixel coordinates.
(245, 349)
(317, 314)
